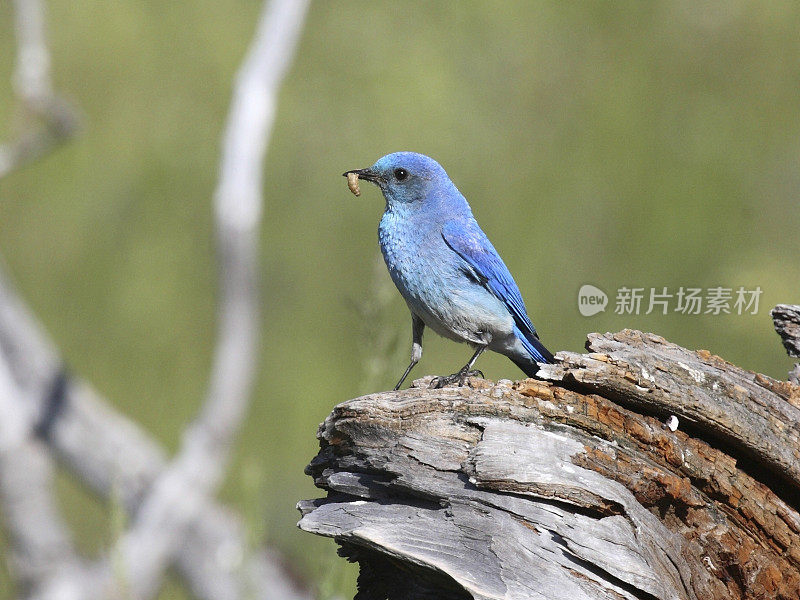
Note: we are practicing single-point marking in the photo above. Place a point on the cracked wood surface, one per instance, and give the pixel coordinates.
(758, 417)
(786, 318)
(570, 488)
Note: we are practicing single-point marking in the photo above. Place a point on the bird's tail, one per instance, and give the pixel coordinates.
(536, 351)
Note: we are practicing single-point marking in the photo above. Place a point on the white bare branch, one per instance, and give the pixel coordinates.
(33, 87)
(175, 517)
(41, 546)
(105, 449)
(180, 494)
(32, 67)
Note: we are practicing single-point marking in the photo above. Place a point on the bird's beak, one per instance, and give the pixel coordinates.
(366, 175)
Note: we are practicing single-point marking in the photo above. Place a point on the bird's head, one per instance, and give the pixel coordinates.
(407, 177)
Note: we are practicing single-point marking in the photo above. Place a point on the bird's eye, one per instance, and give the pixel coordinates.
(400, 174)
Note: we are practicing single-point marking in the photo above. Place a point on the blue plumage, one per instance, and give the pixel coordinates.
(445, 267)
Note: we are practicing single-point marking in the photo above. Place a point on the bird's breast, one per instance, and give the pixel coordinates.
(410, 254)
(431, 278)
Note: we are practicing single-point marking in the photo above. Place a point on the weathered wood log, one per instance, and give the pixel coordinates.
(570, 488)
(786, 318)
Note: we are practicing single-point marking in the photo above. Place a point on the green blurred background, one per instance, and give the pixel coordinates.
(639, 144)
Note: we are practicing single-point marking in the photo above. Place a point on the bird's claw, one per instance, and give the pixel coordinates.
(474, 373)
(460, 378)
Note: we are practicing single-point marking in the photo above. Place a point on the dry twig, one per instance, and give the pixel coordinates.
(180, 494)
(175, 516)
(33, 87)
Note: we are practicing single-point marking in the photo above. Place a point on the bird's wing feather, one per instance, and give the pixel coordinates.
(467, 240)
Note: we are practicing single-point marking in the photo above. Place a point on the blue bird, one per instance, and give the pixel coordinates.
(446, 269)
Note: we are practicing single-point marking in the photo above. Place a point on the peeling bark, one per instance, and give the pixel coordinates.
(570, 488)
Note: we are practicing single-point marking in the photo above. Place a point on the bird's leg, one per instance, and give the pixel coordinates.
(417, 327)
(461, 376)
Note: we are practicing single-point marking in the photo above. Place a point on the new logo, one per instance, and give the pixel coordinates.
(591, 300)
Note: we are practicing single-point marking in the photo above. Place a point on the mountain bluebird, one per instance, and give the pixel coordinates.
(445, 267)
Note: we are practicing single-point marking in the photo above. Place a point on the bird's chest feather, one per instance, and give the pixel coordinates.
(413, 252)
(425, 272)
(436, 283)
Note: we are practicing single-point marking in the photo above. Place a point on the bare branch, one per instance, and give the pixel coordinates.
(179, 495)
(105, 449)
(176, 515)
(40, 542)
(33, 87)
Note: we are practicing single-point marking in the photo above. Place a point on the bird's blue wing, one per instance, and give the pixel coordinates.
(467, 240)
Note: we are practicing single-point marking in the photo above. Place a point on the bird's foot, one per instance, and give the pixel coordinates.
(460, 378)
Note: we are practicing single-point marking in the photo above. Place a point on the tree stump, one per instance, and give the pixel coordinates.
(571, 488)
